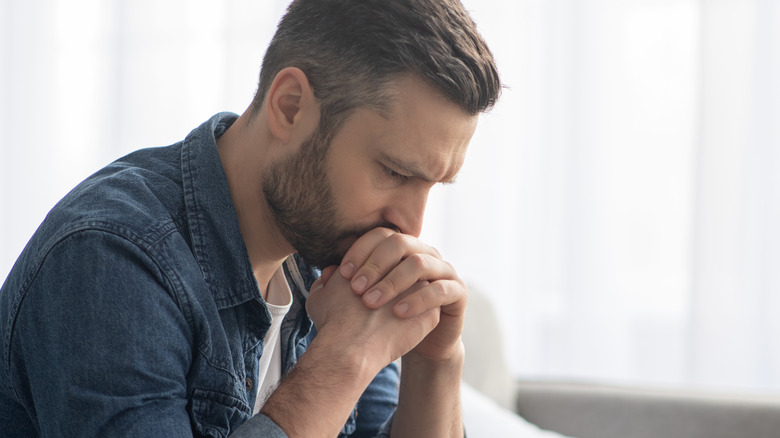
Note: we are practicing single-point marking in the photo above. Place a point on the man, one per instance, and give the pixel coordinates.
(173, 293)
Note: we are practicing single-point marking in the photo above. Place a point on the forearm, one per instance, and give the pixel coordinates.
(429, 400)
(316, 398)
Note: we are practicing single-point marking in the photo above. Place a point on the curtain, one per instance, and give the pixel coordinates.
(618, 205)
(735, 290)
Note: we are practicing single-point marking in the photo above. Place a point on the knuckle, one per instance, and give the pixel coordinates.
(418, 261)
(371, 268)
(438, 291)
(397, 239)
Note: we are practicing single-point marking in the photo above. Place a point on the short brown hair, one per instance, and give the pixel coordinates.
(351, 49)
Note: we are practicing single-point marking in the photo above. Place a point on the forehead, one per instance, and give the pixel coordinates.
(421, 130)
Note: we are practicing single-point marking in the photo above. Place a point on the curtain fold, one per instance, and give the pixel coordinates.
(736, 286)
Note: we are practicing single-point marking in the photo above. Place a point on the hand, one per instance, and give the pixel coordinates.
(383, 264)
(374, 335)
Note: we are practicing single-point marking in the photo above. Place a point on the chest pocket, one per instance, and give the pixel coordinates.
(216, 414)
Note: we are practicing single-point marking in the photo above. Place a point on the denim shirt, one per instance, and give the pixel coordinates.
(133, 310)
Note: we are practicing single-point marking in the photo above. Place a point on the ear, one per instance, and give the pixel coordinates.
(291, 105)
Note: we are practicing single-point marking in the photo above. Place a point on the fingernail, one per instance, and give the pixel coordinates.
(316, 286)
(402, 308)
(347, 270)
(360, 283)
(373, 296)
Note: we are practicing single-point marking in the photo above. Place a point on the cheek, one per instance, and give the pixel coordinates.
(359, 200)
(355, 192)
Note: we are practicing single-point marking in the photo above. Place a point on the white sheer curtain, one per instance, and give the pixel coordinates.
(735, 293)
(617, 205)
(620, 203)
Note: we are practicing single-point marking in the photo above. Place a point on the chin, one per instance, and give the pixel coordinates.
(344, 244)
(332, 254)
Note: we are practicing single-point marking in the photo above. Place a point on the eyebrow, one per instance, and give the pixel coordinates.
(413, 170)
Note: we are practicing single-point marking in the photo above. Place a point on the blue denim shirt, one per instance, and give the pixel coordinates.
(133, 310)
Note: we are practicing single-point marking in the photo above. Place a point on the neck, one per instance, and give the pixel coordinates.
(243, 152)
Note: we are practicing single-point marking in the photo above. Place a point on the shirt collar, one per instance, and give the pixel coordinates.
(216, 236)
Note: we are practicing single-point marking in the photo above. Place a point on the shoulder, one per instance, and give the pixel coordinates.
(138, 190)
(120, 217)
(138, 197)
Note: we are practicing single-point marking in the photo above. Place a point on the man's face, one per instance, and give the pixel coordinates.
(377, 171)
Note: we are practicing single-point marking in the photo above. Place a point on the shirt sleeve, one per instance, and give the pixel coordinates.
(375, 409)
(100, 347)
(259, 425)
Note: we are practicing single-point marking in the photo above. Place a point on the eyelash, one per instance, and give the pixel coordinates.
(394, 175)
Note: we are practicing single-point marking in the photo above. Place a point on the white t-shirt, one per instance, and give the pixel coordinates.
(278, 300)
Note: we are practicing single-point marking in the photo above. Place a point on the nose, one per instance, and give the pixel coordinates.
(406, 211)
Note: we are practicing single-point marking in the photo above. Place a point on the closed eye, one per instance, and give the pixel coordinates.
(394, 175)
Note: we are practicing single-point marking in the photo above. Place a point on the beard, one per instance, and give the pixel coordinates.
(301, 200)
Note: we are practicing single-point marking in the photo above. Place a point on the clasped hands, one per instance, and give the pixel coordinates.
(392, 295)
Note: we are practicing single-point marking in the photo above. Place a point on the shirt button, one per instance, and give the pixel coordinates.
(249, 384)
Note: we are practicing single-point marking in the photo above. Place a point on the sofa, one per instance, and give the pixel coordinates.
(497, 405)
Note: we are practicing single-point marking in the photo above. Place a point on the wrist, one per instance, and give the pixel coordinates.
(349, 357)
(453, 356)
(326, 371)
(429, 399)
(450, 364)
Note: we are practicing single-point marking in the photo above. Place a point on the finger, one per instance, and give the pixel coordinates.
(449, 295)
(323, 279)
(361, 249)
(412, 269)
(385, 257)
(428, 319)
(327, 273)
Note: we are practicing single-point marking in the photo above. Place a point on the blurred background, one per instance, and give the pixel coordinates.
(619, 206)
